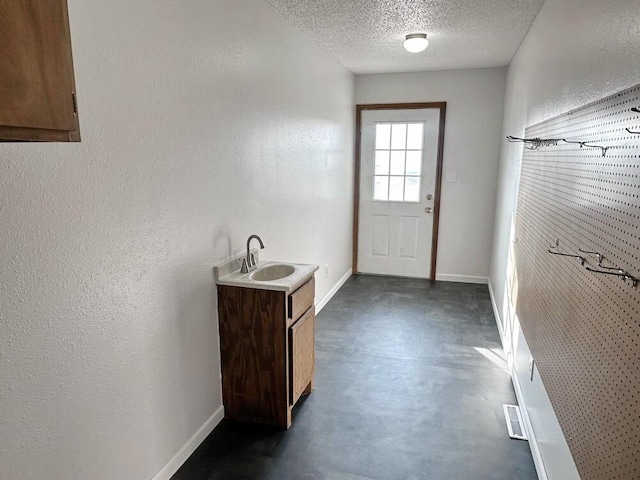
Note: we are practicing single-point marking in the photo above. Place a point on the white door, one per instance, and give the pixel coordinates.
(398, 164)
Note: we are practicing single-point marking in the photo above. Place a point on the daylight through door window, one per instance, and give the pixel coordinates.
(398, 162)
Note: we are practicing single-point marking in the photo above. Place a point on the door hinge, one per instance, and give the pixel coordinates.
(75, 103)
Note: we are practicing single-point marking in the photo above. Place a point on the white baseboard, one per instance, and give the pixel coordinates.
(320, 305)
(533, 442)
(188, 448)
(445, 277)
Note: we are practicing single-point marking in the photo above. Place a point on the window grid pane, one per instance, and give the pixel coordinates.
(381, 188)
(383, 136)
(382, 162)
(398, 162)
(396, 189)
(399, 136)
(414, 162)
(411, 189)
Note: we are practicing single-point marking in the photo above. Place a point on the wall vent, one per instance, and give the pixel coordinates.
(514, 422)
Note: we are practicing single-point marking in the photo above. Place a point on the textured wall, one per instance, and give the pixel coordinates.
(576, 52)
(471, 150)
(202, 122)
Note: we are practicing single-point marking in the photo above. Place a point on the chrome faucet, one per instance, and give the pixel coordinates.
(249, 263)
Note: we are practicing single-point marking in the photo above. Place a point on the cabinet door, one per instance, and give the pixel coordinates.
(37, 90)
(302, 355)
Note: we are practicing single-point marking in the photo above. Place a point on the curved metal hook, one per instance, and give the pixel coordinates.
(585, 144)
(573, 141)
(598, 254)
(600, 259)
(622, 274)
(535, 143)
(582, 259)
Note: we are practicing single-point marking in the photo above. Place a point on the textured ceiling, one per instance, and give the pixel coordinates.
(366, 35)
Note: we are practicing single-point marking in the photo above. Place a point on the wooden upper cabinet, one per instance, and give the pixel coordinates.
(37, 86)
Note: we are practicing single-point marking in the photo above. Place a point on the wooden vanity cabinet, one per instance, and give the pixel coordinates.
(37, 85)
(267, 351)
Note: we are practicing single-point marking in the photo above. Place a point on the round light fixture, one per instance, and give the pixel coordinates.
(416, 42)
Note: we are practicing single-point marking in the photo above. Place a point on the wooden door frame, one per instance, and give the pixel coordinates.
(442, 107)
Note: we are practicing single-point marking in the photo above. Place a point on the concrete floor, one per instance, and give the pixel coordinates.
(410, 383)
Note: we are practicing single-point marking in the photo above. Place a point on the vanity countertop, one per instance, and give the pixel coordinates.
(229, 274)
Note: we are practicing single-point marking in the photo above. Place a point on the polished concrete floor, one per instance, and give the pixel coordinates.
(410, 383)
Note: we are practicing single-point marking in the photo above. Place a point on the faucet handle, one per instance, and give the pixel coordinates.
(244, 268)
(249, 266)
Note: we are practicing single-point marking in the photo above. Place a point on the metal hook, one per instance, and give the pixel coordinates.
(573, 141)
(585, 144)
(600, 259)
(614, 269)
(535, 143)
(532, 141)
(604, 149)
(582, 259)
(631, 131)
(598, 254)
(635, 109)
(622, 274)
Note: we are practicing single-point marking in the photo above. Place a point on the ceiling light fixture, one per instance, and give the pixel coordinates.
(416, 42)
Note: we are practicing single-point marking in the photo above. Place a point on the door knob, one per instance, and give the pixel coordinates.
(428, 209)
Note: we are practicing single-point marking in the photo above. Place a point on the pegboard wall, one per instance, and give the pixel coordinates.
(582, 327)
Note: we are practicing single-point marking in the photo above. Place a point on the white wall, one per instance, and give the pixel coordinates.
(475, 101)
(202, 122)
(576, 52)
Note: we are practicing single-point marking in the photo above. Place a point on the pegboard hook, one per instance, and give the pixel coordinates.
(621, 273)
(597, 254)
(535, 143)
(634, 281)
(600, 264)
(585, 144)
(582, 259)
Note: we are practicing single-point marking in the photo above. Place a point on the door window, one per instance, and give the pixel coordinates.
(398, 162)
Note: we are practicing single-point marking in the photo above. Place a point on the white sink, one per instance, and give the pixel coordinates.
(272, 272)
(276, 276)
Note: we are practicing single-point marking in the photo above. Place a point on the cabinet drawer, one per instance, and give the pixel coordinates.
(302, 357)
(301, 300)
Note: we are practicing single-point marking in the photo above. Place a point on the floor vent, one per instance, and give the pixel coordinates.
(514, 422)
